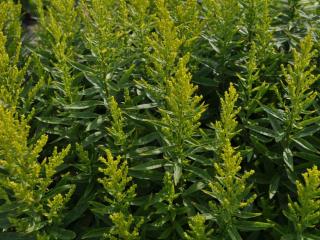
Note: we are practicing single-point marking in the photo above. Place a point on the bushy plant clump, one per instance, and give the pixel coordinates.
(159, 119)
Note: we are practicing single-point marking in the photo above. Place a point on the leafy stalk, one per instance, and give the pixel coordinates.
(31, 208)
(119, 195)
(304, 213)
(230, 189)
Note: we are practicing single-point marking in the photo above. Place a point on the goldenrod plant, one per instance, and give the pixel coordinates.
(299, 79)
(29, 206)
(166, 222)
(251, 88)
(187, 18)
(12, 76)
(178, 26)
(114, 35)
(198, 229)
(264, 34)
(292, 120)
(180, 117)
(12, 73)
(59, 28)
(10, 26)
(117, 124)
(225, 129)
(209, 109)
(304, 214)
(223, 20)
(231, 189)
(162, 54)
(119, 194)
(293, 123)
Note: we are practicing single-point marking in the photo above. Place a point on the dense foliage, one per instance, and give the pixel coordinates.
(159, 119)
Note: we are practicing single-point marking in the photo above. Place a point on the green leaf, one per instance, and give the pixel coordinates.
(274, 112)
(288, 158)
(95, 233)
(147, 139)
(81, 67)
(166, 233)
(150, 165)
(52, 120)
(248, 215)
(149, 151)
(177, 172)
(83, 115)
(305, 145)
(93, 138)
(96, 124)
(263, 131)
(248, 226)
(147, 175)
(61, 233)
(202, 173)
(204, 81)
(194, 188)
(142, 106)
(233, 233)
(307, 122)
(308, 156)
(81, 206)
(83, 105)
(273, 187)
(307, 131)
(310, 236)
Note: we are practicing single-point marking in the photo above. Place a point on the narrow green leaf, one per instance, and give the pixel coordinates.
(308, 156)
(61, 233)
(194, 188)
(57, 190)
(199, 172)
(305, 145)
(93, 138)
(81, 206)
(83, 115)
(81, 67)
(233, 233)
(310, 236)
(147, 139)
(95, 233)
(149, 151)
(288, 158)
(307, 122)
(307, 131)
(83, 105)
(147, 175)
(153, 164)
(52, 120)
(96, 124)
(143, 106)
(253, 226)
(263, 131)
(177, 173)
(273, 187)
(248, 215)
(274, 112)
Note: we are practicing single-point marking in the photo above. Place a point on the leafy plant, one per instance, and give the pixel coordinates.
(209, 110)
(29, 206)
(304, 213)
